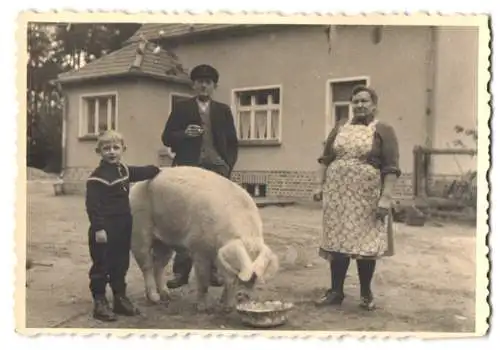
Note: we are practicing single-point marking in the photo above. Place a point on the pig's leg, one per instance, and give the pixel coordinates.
(142, 239)
(227, 297)
(228, 290)
(143, 230)
(223, 296)
(203, 268)
(144, 259)
(161, 256)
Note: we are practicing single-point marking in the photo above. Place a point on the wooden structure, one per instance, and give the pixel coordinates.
(421, 173)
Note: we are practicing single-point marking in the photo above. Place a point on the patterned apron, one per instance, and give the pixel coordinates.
(350, 198)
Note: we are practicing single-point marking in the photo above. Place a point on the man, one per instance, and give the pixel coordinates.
(201, 132)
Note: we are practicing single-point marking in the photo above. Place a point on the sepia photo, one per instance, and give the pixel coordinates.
(221, 174)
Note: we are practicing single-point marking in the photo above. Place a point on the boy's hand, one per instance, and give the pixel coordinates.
(101, 236)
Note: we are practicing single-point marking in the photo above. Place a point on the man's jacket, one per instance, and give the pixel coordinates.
(187, 149)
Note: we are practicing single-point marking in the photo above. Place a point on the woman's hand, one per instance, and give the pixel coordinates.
(318, 194)
(384, 205)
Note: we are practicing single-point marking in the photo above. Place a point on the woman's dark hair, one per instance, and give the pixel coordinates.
(373, 95)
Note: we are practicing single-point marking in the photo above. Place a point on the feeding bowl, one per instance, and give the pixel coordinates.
(264, 314)
(58, 188)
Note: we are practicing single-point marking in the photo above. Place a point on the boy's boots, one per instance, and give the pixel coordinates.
(102, 311)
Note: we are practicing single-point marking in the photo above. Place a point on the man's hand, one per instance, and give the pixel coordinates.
(193, 130)
(101, 236)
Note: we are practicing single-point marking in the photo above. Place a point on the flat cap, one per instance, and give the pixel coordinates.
(204, 71)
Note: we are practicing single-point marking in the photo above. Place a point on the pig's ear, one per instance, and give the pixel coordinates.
(234, 257)
(266, 265)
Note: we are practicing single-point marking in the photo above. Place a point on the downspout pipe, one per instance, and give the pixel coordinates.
(430, 108)
(63, 132)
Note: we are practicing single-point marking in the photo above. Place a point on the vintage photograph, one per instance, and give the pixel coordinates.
(266, 177)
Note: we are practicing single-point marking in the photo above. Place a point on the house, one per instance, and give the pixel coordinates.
(287, 86)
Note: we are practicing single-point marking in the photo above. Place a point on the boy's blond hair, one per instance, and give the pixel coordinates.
(109, 136)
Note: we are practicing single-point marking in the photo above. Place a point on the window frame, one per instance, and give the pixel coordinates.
(252, 109)
(178, 94)
(329, 102)
(83, 133)
(341, 104)
(168, 150)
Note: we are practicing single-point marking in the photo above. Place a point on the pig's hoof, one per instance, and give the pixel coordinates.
(153, 297)
(165, 296)
(224, 308)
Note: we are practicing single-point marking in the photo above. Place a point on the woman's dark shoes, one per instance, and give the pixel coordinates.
(180, 280)
(330, 298)
(177, 282)
(367, 303)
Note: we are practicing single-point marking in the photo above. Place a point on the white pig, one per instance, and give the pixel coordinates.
(214, 218)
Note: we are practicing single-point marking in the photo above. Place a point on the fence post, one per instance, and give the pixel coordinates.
(416, 171)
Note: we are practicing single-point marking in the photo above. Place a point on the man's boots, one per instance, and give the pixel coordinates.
(102, 310)
(215, 279)
(178, 281)
(123, 306)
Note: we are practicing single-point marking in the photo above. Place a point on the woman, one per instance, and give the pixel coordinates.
(359, 167)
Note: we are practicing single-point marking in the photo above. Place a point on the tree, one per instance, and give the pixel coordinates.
(466, 188)
(42, 66)
(468, 133)
(54, 48)
(81, 43)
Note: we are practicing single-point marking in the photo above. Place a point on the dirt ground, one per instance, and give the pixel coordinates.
(429, 285)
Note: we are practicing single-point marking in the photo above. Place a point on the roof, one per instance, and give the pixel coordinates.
(155, 31)
(136, 59)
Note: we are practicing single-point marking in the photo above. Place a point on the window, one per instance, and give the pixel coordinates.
(258, 115)
(341, 99)
(98, 113)
(178, 97)
(175, 98)
(342, 112)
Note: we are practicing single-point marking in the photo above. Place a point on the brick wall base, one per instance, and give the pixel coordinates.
(286, 184)
(300, 184)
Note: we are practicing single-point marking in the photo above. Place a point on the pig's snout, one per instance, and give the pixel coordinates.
(242, 297)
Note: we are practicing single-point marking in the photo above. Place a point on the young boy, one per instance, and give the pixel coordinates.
(108, 209)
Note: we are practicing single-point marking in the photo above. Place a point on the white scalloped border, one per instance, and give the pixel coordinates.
(276, 17)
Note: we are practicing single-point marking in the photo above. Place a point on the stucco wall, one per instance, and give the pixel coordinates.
(143, 108)
(456, 93)
(396, 67)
